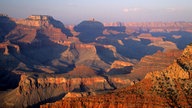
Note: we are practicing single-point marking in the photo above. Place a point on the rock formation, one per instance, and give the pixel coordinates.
(6, 25)
(167, 88)
(43, 61)
(120, 67)
(35, 26)
(120, 64)
(89, 30)
(155, 62)
(154, 26)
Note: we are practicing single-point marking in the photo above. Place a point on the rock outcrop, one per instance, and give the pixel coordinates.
(33, 90)
(40, 63)
(89, 30)
(120, 67)
(82, 71)
(38, 26)
(155, 62)
(6, 25)
(5, 47)
(154, 26)
(120, 64)
(78, 94)
(167, 88)
(84, 54)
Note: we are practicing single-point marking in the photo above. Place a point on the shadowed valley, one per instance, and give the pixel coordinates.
(93, 63)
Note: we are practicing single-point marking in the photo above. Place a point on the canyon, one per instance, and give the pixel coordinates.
(170, 87)
(93, 63)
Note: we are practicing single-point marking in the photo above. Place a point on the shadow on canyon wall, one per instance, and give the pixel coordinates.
(59, 24)
(181, 42)
(6, 25)
(89, 30)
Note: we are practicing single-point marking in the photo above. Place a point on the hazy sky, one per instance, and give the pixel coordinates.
(74, 11)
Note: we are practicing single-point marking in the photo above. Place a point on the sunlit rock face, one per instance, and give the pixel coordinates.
(156, 62)
(38, 26)
(39, 21)
(180, 69)
(153, 26)
(170, 87)
(40, 63)
(38, 88)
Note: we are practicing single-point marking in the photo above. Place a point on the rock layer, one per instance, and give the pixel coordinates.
(155, 62)
(40, 62)
(167, 88)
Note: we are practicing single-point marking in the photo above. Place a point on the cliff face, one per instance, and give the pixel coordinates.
(167, 88)
(8, 62)
(84, 54)
(120, 64)
(34, 89)
(156, 62)
(6, 25)
(6, 47)
(89, 30)
(30, 29)
(135, 96)
(180, 69)
(40, 63)
(153, 26)
(174, 83)
(40, 21)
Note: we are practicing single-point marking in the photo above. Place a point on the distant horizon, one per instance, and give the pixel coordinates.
(73, 12)
(98, 20)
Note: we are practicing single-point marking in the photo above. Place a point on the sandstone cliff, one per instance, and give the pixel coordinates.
(89, 30)
(156, 62)
(30, 29)
(167, 88)
(6, 25)
(153, 26)
(40, 63)
(33, 90)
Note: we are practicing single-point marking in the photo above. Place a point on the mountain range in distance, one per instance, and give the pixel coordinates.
(42, 61)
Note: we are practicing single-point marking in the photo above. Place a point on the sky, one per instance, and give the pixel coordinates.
(75, 11)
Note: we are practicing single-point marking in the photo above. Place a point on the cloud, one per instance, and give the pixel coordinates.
(125, 10)
(131, 9)
(171, 9)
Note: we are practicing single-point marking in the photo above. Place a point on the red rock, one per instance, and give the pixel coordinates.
(166, 88)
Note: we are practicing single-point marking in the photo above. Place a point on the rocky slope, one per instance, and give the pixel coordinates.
(6, 25)
(89, 30)
(35, 89)
(38, 26)
(41, 60)
(156, 62)
(167, 88)
(153, 26)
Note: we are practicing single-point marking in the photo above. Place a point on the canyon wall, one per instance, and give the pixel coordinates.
(166, 88)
